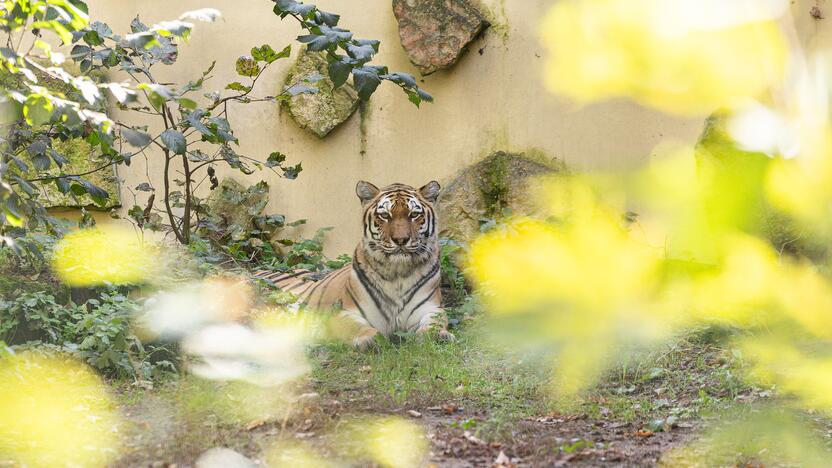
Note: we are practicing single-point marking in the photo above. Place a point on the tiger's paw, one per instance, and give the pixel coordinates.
(442, 334)
(446, 336)
(366, 340)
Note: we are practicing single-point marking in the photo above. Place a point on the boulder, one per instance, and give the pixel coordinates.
(324, 110)
(233, 207)
(490, 189)
(435, 33)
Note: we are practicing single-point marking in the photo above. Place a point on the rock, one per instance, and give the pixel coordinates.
(496, 186)
(232, 207)
(435, 33)
(220, 457)
(319, 112)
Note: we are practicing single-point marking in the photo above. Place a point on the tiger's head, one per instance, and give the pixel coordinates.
(399, 220)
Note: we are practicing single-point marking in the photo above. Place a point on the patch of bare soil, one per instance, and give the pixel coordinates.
(553, 441)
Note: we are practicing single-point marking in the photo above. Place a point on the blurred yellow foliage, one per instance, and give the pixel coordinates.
(592, 283)
(681, 56)
(296, 456)
(104, 255)
(55, 412)
(390, 441)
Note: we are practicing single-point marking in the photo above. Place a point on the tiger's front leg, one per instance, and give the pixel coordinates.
(353, 328)
(436, 320)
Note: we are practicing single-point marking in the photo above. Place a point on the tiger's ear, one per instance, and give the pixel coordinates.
(430, 191)
(365, 191)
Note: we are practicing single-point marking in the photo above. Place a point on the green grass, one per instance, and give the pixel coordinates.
(422, 373)
(697, 375)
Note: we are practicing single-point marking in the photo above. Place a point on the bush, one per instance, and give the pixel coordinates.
(97, 332)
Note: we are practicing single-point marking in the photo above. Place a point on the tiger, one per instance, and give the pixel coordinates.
(393, 282)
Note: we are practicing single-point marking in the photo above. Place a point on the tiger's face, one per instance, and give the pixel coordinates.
(399, 220)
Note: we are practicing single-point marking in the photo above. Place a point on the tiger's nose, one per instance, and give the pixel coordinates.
(400, 240)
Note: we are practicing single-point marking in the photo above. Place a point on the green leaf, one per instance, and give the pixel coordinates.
(37, 110)
(365, 80)
(275, 159)
(265, 53)
(291, 173)
(189, 104)
(41, 162)
(247, 66)
(237, 86)
(62, 184)
(136, 138)
(329, 19)
(157, 94)
(339, 72)
(174, 140)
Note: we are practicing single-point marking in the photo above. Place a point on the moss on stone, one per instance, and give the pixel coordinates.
(364, 113)
(493, 188)
(497, 18)
(319, 112)
(77, 151)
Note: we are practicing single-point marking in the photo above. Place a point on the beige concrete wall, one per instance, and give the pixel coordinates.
(493, 100)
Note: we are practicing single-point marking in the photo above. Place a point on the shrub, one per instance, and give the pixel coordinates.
(97, 332)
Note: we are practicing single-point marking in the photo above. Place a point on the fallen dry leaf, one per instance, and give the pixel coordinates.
(644, 433)
(472, 438)
(450, 408)
(502, 461)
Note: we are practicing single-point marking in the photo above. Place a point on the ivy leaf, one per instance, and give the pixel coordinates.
(135, 138)
(174, 140)
(365, 80)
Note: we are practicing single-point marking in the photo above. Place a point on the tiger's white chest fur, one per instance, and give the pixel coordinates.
(398, 293)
